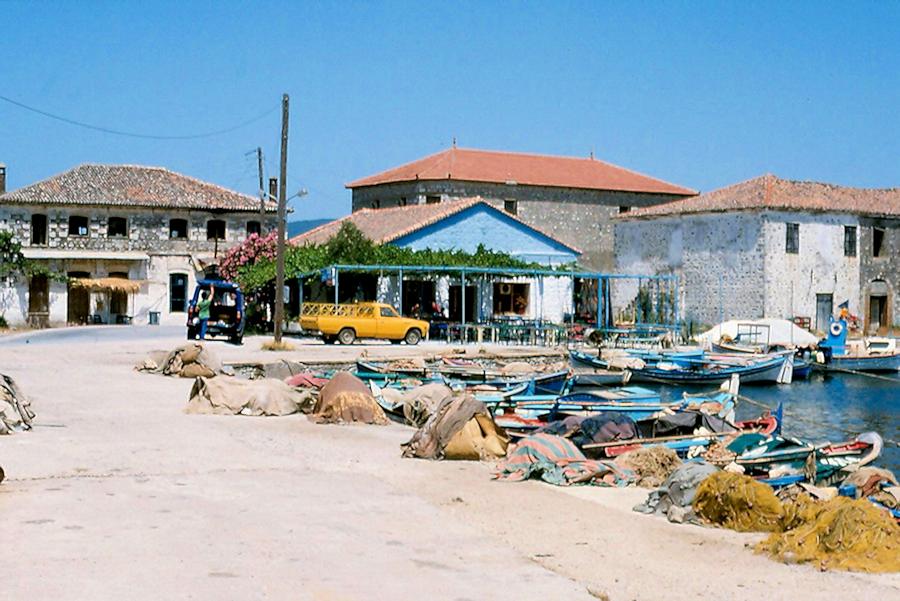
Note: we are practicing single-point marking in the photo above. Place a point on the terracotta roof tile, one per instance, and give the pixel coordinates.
(132, 185)
(386, 225)
(525, 169)
(771, 192)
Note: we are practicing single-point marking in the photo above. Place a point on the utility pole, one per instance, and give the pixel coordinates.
(262, 189)
(282, 202)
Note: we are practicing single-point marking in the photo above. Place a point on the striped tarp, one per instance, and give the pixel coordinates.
(557, 460)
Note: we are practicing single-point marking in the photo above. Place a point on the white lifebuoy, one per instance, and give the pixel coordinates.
(836, 328)
(505, 289)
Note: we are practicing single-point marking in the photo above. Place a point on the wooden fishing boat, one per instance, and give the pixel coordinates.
(866, 363)
(714, 369)
(382, 371)
(780, 461)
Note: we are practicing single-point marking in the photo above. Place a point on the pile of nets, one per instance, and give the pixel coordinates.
(346, 399)
(840, 533)
(738, 502)
(673, 499)
(15, 408)
(652, 465)
(189, 361)
(460, 427)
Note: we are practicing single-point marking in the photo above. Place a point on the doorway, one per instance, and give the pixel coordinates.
(418, 298)
(824, 311)
(455, 308)
(79, 300)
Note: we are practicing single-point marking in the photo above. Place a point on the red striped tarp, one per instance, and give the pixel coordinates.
(557, 460)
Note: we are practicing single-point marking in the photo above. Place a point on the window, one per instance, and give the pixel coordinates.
(792, 241)
(624, 209)
(253, 227)
(877, 241)
(432, 200)
(402, 201)
(38, 230)
(178, 284)
(117, 227)
(849, 241)
(511, 207)
(510, 298)
(78, 225)
(376, 204)
(388, 312)
(215, 229)
(178, 229)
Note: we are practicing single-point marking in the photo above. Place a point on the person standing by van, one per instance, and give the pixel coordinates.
(203, 306)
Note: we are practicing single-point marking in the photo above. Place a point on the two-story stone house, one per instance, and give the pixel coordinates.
(132, 241)
(771, 247)
(572, 199)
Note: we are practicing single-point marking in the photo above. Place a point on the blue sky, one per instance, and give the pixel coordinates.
(700, 94)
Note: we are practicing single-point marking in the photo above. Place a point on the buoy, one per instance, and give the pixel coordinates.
(836, 328)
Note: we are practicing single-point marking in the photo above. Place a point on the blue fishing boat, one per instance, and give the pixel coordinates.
(867, 355)
(714, 369)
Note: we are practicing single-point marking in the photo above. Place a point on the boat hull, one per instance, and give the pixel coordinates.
(871, 363)
(767, 371)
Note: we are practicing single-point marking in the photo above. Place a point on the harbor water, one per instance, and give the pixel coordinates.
(829, 408)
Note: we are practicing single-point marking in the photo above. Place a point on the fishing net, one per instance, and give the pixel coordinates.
(651, 464)
(841, 533)
(738, 502)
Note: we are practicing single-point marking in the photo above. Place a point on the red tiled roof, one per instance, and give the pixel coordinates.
(466, 164)
(771, 192)
(132, 185)
(386, 225)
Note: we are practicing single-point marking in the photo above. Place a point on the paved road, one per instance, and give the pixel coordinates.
(92, 334)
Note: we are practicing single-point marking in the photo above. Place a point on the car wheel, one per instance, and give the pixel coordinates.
(413, 336)
(347, 336)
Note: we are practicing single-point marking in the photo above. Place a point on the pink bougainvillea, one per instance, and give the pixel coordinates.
(255, 247)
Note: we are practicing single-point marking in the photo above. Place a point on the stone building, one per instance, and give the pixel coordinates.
(771, 247)
(462, 225)
(102, 224)
(572, 199)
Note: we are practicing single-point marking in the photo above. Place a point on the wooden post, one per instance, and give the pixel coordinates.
(282, 209)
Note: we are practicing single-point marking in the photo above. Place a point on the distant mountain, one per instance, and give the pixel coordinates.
(295, 228)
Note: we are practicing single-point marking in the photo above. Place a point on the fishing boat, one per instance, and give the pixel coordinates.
(714, 369)
(867, 355)
(780, 461)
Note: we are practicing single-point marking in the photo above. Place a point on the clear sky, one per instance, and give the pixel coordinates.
(699, 94)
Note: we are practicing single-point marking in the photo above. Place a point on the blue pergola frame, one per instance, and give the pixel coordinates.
(603, 279)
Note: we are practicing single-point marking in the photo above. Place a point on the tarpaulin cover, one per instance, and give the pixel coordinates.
(305, 380)
(15, 408)
(557, 460)
(229, 396)
(347, 399)
(419, 403)
(192, 360)
(460, 428)
(605, 426)
(678, 490)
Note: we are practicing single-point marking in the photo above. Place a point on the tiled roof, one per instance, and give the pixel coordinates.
(774, 193)
(132, 185)
(386, 225)
(466, 164)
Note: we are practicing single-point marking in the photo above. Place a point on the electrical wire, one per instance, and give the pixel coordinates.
(128, 134)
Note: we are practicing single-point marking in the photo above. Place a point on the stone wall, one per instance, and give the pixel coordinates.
(792, 281)
(885, 267)
(718, 258)
(577, 217)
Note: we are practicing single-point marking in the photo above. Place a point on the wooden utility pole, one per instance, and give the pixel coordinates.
(282, 202)
(262, 190)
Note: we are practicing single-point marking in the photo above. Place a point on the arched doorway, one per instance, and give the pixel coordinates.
(878, 314)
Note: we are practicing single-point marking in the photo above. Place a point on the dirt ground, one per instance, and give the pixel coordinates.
(117, 494)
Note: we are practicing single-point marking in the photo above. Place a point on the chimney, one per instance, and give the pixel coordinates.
(273, 189)
(2, 179)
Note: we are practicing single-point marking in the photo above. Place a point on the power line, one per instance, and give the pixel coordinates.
(128, 134)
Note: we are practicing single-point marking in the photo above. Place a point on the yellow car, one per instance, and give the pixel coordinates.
(346, 323)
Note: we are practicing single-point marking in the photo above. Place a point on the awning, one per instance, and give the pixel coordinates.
(113, 284)
(58, 253)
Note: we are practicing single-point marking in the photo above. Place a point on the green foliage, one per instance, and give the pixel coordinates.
(349, 246)
(13, 263)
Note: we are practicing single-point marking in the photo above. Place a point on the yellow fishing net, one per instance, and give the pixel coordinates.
(738, 502)
(840, 533)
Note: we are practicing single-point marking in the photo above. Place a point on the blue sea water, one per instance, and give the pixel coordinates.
(830, 408)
